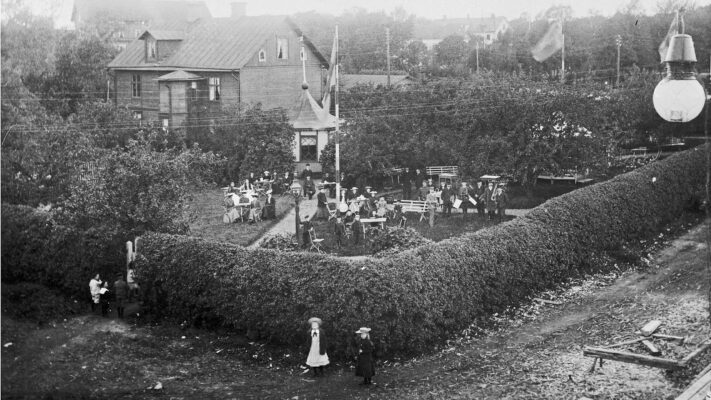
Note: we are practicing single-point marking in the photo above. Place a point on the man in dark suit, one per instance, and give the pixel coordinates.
(406, 181)
(419, 177)
(446, 196)
(322, 207)
(479, 195)
(306, 173)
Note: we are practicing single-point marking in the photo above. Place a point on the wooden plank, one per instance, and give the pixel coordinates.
(625, 356)
(698, 389)
(650, 327)
(651, 348)
(696, 352)
(557, 303)
(625, 343)
(668, 337)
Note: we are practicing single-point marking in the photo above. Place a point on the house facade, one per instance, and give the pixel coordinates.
(191, 73)
(486, 30)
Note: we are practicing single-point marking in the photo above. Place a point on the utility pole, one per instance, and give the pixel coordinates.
(387, 38)
(618, 41)
(562, 59)
(338, 133)
(477, 57)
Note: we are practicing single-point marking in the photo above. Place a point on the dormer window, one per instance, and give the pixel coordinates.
(262, 55)
(282, 48)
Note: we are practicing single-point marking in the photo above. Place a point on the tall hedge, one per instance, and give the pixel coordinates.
(37, 249)
(417, 298)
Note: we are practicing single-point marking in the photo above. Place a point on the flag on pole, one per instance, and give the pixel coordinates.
(550, 43)
(664, 46)
(331, 79)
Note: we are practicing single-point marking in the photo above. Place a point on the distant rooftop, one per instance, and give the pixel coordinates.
(139, 10)
(441, 28)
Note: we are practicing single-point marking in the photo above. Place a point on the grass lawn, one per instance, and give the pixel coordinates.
(444, 228)
(209, 225)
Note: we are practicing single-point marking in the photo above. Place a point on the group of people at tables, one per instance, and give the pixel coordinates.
(490, 199)
(253, 199)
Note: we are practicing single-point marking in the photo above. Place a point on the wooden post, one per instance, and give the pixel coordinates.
(625, 356)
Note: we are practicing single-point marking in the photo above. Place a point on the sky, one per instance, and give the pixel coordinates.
(510, 9)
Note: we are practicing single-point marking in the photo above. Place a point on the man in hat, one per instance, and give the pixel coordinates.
(431, 205)
(406, 181)
(489, 200)
(447, 197)
(357, 227)
(269, 210)
(464, 197)
(322, 210)
(340, 231)
(418, 178)
(502, 201)
(309, 187)
(306, 173)
(352, 194)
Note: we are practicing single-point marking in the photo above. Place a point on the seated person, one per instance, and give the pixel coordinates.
(382, 209)
(309, 187)
(247, 186)
(255, 210)
(232, 188)
(350, 217)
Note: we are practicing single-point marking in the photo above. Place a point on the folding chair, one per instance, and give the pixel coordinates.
(332, 210)
(315, 242)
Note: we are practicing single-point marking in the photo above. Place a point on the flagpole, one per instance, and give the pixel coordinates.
(562, 59)
(338, 133)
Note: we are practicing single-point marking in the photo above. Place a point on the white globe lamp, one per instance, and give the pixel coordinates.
(679, 97)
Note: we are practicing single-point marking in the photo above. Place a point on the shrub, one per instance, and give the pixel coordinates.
(33, 302)
(37, 249)
(283, 242)
(416, 299)
(394, 240)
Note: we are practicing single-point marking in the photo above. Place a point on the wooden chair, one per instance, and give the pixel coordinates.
(332, 210)
(315, 242)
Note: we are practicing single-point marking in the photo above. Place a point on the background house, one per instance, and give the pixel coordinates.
(183, 72)
(487, 29)
(123, 21)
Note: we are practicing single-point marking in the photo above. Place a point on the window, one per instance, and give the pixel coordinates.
(166, 124)
(282, 48)
(152, 53)
(138, 115)
(214, 84)
(309, 151)
(262, 55)
(302, 54)
(135, 85)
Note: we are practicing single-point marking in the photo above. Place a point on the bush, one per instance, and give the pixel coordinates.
(394, 240)
(416, 299)
(33, 302)
(37, 249)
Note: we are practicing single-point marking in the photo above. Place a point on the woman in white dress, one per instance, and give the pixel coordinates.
(317, 357)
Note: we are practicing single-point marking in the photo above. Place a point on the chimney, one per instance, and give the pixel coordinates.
(238, 9)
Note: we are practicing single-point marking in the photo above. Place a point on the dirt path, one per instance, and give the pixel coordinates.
(536, 354)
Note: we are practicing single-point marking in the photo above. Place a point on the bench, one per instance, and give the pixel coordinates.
(442, 169)
(415, 206)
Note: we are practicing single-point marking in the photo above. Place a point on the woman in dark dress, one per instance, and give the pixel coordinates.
(366, 362)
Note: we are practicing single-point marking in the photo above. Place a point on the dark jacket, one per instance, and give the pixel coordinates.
(357, 228)
(305, 173)
(322, 201)
(418, 178)
(322, 344)
(269, 210)
(340, 229)
(490, 203)
(366, 359)
(121, 289)
(447, 195)
(502, 200)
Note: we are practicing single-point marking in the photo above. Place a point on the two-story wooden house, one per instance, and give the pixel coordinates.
(191, 71)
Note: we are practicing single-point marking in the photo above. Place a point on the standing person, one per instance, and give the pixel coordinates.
(269, 211)
(490, 201)
(330, 183)
(366, 362)
(502, 201)
(104, 299)
(307, 226)
(447, 196)
(340, 231)
(357, 229)
(322, 210)
(306, 173)
(464, 197)
(418, 178)
(252, 179)
(121, 292)
(309, 187)
(431, 205)
(94, 289)
(424, 190)
(406, 184)
(480, 196)
(318, 357)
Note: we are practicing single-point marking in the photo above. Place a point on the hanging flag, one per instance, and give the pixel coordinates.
(664, 46)
(331, 79)
(550, 43)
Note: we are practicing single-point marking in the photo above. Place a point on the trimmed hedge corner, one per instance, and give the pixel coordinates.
(416, 299)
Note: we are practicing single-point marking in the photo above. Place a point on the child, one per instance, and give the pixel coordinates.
(317, 357)
(366, 364)
(104, 298)
(340, 231)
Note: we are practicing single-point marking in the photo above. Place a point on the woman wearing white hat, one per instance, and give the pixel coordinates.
(317, 357)
(366, 364)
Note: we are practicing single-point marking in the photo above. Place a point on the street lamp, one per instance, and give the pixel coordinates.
(296, 194)
(679, 97)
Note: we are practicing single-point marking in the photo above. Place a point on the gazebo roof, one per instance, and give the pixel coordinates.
(310, 115)
(180, 75)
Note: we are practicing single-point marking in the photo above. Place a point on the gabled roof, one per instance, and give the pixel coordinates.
(350, 80)
(139, 10)
(310, 115)
(180, 75)
(163, 35)
(217, 43)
